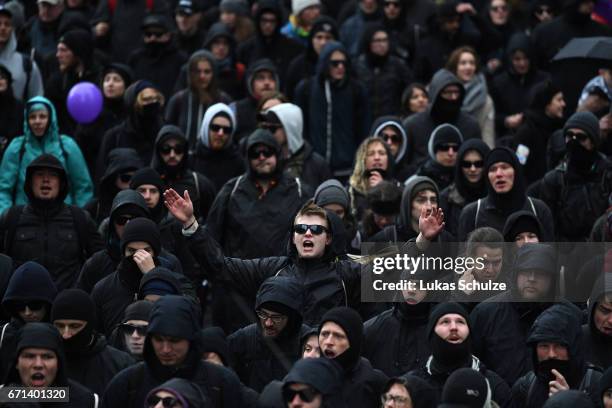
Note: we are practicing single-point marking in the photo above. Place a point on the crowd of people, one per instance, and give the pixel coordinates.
(200, 243)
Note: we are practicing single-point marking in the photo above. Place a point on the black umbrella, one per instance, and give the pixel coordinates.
(599, 48)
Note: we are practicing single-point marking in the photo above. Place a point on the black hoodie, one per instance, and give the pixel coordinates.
(259, 359)
(45, 336)
(178, 317)
(598, 345)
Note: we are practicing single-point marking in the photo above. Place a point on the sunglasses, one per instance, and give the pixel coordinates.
(263, 316)
(306, 395)
(218, 128)
(256, 153)
(468, 164)
(156, 34)
(271, 127)
(32, 305)
(314, 229)
(167, 402)
(166, 149)
(581, 137)
(130, 329)
(390, 138)
(448, 146)
(125, 177)
(123, 219)
(337, 63)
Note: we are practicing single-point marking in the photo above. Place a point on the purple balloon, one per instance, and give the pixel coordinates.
(84, 102)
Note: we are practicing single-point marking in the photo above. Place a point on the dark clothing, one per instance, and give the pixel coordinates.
(96, 366)
(404, 346)
(576, 201)
(597, 345)
(11, 117)
(218, 166)
(308, 165)
(161, 66)
(442, 175)
(363, 385)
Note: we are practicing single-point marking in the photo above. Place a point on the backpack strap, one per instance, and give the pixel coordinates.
(27, 68)
(13, 216)
(477, 212)
(196, 181)
(2, 335)
(80, 225)
(238, 180)
(532, 206)
(299, 186)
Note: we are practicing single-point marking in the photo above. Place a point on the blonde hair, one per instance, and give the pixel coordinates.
(357, 181)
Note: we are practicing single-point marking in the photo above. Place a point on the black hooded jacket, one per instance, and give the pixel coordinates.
(558, 324)
(45, 336)
(258, 359)
(120, 160)
(231, 73)
(46, 231)
(177, 317)
(181, 177)
(281, 50)
(461, 192)
(597, 345)
(420, 125)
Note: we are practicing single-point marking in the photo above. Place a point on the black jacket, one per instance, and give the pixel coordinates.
(597, 345)
(259, 360)
(129, 388)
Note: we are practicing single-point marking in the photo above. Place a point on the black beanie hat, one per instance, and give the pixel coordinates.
(147, 175)
(158, 287)
(444, 309)
(525, 222)
(74, 304)
(385, 198)
(351, 323)
(124, 71)
(139, 310)
(213, 340)
(501, 154)
(466, 388)
(141, 229)
(80, 42)
(585, 121)
(542, 94)
(536, 256)
(324, 24)
(569, 399)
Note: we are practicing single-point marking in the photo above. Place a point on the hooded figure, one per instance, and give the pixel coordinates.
(246, 109)
(161, 282)
(178, 318)
(186, 393)
(323, 375)
(176, 172)
(138, 130)
(45, 336)
(11, 110)
(384, 74)
(463, 191)
(264, 351)
(559, 324)
(89, 358)
(52, 225)
(520, 222)
(218, 164)
(304, 65)
(597, 333)
(466, 388)
(401, 149)
(231, 73)
(300, 158)
(441, 110)
(500, 324)
(511, 89)
(448, 357)
(444, 138)
(361, 384)
(31, 286)
(421, 394)
(493, 210)
(336, 113)
(569, 399)
(186, 108)
(24, 149)
(577, 191)
(122, 161)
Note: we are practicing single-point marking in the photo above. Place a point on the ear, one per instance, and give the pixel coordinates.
(328, 239)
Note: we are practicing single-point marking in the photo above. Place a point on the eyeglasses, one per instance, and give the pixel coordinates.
(125, 177)
(581, 137)
(263, 316)
(337, 63)
(396, 399)
(256, 153)
(390, 138)
(167, 402)
(447, 146)
(32, 305)
(123, 219)
(468, 164)
(301, 229)
(156, 34)
(542, 10)
(272, 127)
(166, 149)
(391, 3)
(499, 8)
(306, 395)
(127, 328)
(218, 128)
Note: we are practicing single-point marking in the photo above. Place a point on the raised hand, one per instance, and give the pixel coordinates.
(180, 207)
(559, 383)
(430, 225)
(143, 260)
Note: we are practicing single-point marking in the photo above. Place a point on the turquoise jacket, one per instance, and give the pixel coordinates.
(24, 149)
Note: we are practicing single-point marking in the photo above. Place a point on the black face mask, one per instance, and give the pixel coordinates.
(544, 369)
(445, 110)
(580, 159)
(449, 354)
(150, 112)
(79, 342)
(155, 48)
